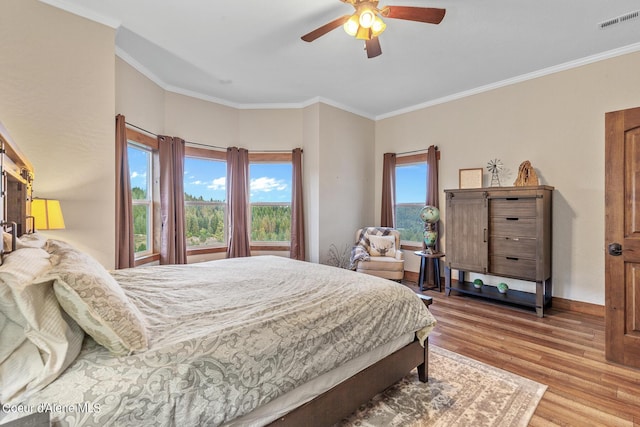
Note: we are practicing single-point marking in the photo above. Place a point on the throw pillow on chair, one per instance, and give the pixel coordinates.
(382, 246)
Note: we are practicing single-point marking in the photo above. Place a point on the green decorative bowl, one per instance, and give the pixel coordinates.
(477, 283)
(502, 288)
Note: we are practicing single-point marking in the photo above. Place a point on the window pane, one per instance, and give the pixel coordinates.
(139, 172)
(270, 198)
(411, 194)
(409, 223)
(204, 179)
(204, 224)
(270, 222)
(205, 207)
(140, 178)
(141, 235)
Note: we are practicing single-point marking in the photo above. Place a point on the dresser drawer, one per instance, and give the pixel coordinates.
(513, 207)
(512, 266)
(521, 247)
(512, 226)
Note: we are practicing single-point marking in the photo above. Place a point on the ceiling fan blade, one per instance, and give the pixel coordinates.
(373, 47)
(319, 32)
(430, 15)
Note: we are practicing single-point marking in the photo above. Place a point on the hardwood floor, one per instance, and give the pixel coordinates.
(564, 350)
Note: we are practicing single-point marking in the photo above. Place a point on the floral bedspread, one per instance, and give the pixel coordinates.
(227, 336)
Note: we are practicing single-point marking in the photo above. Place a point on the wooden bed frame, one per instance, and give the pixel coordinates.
(326, 409)
(15, 187)
(342, 400)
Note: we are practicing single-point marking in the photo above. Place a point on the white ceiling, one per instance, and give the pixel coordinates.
(248, 54)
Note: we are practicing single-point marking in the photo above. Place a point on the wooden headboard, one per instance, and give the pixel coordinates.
(15, 187)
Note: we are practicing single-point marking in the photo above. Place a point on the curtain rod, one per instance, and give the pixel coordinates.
(139, 128)
(415, 151)
(186, 142)
(205, 145)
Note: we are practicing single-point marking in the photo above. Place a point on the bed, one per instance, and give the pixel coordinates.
(248, 341)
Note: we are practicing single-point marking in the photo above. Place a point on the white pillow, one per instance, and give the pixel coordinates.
(382, 246)
(39, 341)
(33, 240)
(94, 299)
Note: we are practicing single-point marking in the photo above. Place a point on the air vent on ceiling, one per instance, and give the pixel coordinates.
(619, 19)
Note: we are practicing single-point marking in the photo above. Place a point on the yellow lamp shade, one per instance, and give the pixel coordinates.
(47, 214)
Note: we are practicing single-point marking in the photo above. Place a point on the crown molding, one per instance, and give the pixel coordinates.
(303, 104)
(83, 12)
(519, 79)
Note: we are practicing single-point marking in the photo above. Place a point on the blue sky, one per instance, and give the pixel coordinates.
(269, 182)
(138, 167)
(411, 183)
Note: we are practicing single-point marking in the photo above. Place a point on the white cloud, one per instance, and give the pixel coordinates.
(135, 175)
(218, 183)
(267, 184)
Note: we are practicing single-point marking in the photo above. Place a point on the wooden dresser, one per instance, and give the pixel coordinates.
(501, 231)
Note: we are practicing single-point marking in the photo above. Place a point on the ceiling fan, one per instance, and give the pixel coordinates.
(367, 24)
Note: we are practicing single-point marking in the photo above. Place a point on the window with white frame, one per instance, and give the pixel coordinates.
(205, 202)
(270, 189)
(141, 175)
(411, 194)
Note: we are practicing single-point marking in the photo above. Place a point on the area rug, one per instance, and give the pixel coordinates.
(460, 392)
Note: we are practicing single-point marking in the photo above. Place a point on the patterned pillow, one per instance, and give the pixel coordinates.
(382, 246)
(93, 298)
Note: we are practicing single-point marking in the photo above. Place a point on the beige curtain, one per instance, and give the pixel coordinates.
(238, 202)
(173, 246)
(388, 215)
(125, 250)
(297, 212)
(433, 196)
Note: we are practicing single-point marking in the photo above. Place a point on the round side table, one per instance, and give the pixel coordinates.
(424, 269)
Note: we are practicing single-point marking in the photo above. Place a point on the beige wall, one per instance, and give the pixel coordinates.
(346, 172)
(58, 84)
(146, 112)
(338, 149)
(61, 86)
(200, 121)
(311, 184)
(556, 122)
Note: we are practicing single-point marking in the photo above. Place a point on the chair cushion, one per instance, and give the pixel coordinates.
(381, 263)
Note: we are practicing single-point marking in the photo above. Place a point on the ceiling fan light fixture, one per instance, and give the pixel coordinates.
(367, 17)
(367, 23)
(352, 25)
(363, 33)
(378, 26)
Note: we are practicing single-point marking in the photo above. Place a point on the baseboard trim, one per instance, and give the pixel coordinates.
(411, 276)
(578, 306)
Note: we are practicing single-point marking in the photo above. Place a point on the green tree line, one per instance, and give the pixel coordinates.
(204, 222)
(409, 223)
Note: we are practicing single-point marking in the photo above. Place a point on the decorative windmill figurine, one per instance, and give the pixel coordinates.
(495, 167)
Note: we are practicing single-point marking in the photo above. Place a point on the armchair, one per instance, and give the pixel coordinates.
(377, 252)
